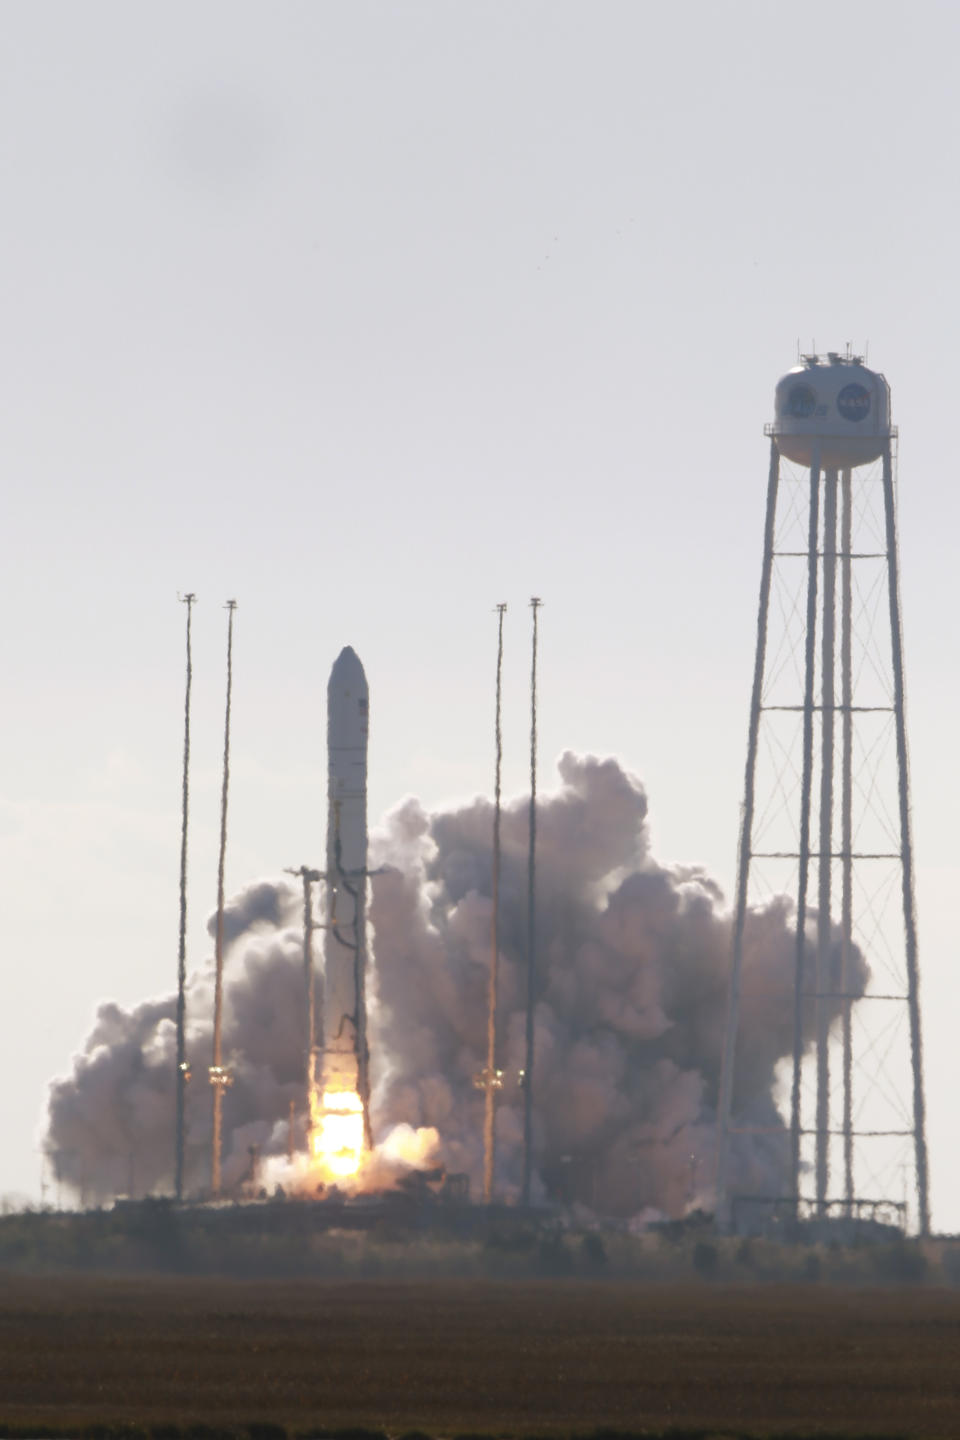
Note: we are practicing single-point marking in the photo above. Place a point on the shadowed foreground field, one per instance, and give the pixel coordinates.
(449, 1356)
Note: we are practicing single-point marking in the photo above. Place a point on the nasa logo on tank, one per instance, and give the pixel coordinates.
(801, 402)
(853, 402)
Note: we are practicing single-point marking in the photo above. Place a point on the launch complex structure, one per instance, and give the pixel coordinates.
(338, 1064)
(825, 828)
(826, 811)
(337, 1056)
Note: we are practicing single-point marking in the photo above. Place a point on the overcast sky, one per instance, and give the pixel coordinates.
(372, 315)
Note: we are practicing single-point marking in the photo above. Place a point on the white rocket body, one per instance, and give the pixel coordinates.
(343, 1063)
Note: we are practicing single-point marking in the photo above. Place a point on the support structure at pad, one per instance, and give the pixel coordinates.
(826, 826)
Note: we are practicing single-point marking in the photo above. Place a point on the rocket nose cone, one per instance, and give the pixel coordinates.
(347, 672)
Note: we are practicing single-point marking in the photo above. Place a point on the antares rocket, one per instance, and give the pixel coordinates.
(344, 1058)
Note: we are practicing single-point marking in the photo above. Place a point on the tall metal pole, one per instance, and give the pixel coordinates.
(359, 893)
(535, 604)
(181, 1081)
(746, 840)
(906, 843)
(804, 851)
(308, 878)
(846, 824)
(491, 1077)
(219, 1079)
(824, 982)
(314, 1022)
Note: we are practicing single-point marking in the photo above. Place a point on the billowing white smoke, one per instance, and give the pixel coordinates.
(111, 1124)
(633, 963)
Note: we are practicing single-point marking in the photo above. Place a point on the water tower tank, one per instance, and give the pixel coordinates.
(834, 410)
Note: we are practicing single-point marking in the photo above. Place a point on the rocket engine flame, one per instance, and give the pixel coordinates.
(336, 1133)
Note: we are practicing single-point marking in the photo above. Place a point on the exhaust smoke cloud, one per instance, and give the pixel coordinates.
(633, 963)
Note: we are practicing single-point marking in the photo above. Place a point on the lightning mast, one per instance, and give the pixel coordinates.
(220, 1078)
(535, 604)
(183, 1073)
(491, 1079)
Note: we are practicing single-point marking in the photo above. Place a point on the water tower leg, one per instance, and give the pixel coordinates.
(824, 981)
(846, 823)
(909, 911)
(746, 840)
(804, 838)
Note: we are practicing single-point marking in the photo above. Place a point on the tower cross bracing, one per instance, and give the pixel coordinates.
(826, 823)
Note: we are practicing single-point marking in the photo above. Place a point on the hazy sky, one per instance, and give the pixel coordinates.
(375, 314)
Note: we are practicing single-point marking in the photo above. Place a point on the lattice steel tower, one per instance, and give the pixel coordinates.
(826, 817)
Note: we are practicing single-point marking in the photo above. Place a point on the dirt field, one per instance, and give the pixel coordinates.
(477, 1355)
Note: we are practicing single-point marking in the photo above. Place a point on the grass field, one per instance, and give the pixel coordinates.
(483, 1356)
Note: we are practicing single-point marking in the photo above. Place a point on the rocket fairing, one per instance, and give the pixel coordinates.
(344, 1065)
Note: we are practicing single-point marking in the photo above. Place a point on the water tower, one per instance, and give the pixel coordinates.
(826, 818)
